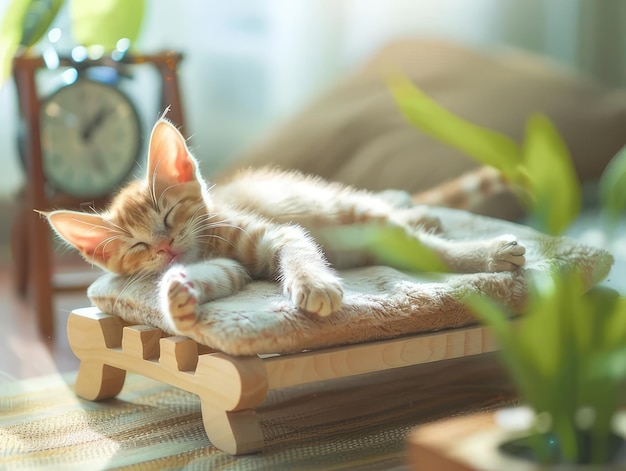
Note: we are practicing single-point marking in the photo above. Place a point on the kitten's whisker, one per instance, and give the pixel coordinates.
(222, 225)
(153, 196)
(132, 279)
(102, 245)
(214, 236)
(112, 227)
(163, 193)
(120, 229)
(200, 226)
(92, 226)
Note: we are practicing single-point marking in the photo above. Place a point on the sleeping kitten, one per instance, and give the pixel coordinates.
(210, 241)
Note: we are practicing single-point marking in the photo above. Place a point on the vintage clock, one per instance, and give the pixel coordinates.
(77, 144)
(90, 138)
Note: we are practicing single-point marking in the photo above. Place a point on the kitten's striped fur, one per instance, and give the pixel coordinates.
(210, 241)
(466, 191)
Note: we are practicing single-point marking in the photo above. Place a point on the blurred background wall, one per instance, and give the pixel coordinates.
(250, 64)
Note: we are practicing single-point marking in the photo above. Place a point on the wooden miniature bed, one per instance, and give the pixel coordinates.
(231, 387)
(253, 342)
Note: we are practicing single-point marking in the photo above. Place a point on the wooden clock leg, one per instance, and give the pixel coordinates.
(39, 265)
(40, 274)
(170, 92)
(20, 251)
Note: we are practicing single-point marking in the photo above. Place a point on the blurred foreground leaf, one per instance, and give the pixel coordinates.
(485, 146)
(566, 357)
(11, 29)
(540, 171)
(553, 183)
(613, 187)
(389, 245)
(23, 24)
(105, 22)
(38, 18)
(94, 22)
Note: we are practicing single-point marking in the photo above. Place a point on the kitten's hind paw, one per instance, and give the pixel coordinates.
(316, 296)
(181, 300)
(507, 254)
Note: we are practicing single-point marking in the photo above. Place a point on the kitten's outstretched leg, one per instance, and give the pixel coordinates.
(318, 292)
(505, 253)
(502, 253)
(306, 277)
(183, 287)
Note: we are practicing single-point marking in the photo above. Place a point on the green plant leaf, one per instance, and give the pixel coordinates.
(540, 341)
(489, 313)
(614, 326)
(553, 181)
(37, 20)
(105, 22)
(388, 245)
(567, 355)
(613, 187)
(485, 146)
(11, 35)
(497, 318)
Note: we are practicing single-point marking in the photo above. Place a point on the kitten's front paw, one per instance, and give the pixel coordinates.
(321, 297)
(506, 254)
(181, 299)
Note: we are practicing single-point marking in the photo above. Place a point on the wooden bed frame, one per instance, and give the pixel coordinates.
(230, 387)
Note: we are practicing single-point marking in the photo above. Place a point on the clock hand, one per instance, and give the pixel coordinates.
(94, 123)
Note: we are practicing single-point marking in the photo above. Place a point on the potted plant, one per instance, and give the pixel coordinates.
(567, 353)
(567, 358)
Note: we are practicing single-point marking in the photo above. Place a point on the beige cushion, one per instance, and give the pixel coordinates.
(379, 302)
(355, 134)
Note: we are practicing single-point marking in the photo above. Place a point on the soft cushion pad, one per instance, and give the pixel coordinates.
(379, 303)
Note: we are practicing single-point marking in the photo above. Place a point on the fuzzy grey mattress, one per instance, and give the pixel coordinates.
(380, 302)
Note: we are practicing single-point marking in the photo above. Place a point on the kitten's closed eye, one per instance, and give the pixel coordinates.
(140, 246)
(167, 219)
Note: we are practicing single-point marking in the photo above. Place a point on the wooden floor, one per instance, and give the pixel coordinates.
(24, 353)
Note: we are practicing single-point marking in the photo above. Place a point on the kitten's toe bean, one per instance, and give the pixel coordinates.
(507, 254)
(182, 300)
(316, 297)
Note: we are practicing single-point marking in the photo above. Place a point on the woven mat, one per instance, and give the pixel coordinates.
(354, 423)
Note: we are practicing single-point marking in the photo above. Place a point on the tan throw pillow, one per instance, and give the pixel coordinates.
(355, 134)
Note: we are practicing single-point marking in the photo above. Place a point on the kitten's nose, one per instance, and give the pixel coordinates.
(165, 247)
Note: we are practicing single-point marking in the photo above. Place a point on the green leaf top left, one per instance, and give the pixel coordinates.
(23, 24)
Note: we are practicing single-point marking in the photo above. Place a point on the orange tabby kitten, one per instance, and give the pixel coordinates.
(208, 241)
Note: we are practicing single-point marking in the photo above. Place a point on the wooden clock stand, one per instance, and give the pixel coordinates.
(35, 277)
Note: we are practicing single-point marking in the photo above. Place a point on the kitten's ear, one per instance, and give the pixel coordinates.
(90, 234)
(169, 159)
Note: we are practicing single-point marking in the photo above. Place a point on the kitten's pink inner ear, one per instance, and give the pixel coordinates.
(168, 158)
(88, 233)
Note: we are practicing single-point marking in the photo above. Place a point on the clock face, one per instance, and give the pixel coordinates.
(90, 138)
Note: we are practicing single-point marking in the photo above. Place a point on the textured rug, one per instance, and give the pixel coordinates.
(44, 425)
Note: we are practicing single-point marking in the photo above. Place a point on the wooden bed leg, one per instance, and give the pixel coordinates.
(236, 433)
(238, 386)
(90, 333)
(97, 381)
